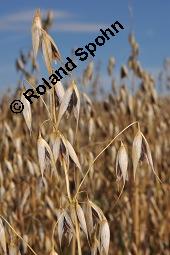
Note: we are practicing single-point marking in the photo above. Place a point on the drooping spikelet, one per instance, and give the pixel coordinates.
(36, 32)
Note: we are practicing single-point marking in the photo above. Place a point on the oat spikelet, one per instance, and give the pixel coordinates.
(42, 146)
(97, 210)
(72, 154)
(27, 112)
(65, 103)
(41, 155)
(36, 32)
(123, 72)
(56, 148)
(88, 73)
(50, 50)
(111, 65)
(81, 218)
(60, 225)
(70, 102)
(55, 51)
(77, 105)
(136, 151)
(89, 218)
(47, 51)
(68, 221)
(105, 236)
(59, 92)
(122, 161)
(13, 248)
(91, 128)
(2, 238)
(149, 157)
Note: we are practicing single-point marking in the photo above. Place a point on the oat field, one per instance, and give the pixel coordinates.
(81, 175)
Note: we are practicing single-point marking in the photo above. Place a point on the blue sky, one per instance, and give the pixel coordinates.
(77, 23)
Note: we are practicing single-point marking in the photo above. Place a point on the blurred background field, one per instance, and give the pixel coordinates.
(127, 81)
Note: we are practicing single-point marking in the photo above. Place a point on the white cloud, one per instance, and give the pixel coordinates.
(78, 27)
(19, 20)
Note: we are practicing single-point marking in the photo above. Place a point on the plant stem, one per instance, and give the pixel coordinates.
(73, 246)
(77, 233)
(54, 105)
(136, 214)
